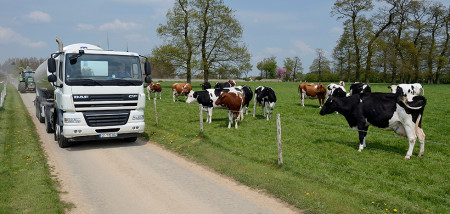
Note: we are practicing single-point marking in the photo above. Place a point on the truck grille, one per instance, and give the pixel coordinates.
(106, 118)
(105, 102)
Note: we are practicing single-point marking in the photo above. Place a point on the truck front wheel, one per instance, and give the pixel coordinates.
(63, 142)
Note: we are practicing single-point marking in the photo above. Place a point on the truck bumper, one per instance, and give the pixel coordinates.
(83, 133)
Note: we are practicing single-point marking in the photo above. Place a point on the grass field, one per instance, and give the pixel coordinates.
(26, 185)
(323, 172)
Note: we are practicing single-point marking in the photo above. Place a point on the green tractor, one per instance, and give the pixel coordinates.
(26, 81)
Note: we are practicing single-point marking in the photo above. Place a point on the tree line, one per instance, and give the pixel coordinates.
(397, 41)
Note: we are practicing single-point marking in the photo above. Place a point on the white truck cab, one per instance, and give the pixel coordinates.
(87, 93)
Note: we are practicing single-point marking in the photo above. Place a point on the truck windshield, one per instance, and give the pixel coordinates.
(92, 69)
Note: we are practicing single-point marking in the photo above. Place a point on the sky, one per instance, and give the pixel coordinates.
(282, 28)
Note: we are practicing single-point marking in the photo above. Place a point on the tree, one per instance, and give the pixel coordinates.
(179, 35)
(294, 66)
(282, 73)
(384, 23)
(267, 67)
(320, 65)
(352, 9)
(219, 34)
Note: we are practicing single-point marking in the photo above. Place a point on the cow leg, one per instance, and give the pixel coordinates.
(174, 95)
(411, 135)
(362, 131)
(230, 118)
(320, 102)
(236, 120)
(148, 95)
(302, 98)
(159, 95)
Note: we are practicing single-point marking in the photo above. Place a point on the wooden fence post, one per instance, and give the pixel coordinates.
(280, 150)
(156, 112)
(200, 107)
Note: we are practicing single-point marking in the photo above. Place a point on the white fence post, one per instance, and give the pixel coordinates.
(280, 150)
(156, 112)
(201, 117)
(3, 94)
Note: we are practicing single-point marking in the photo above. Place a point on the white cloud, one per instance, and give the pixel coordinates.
(304, 48)
(8, 36)
(38, 17)
(119, 25)
(83, 27)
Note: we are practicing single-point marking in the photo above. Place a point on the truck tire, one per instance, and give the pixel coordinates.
(38, 114)
(22, 87)
(62, 141)
(48, 126)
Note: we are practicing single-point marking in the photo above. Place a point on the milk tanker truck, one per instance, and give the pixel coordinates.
(82, 94)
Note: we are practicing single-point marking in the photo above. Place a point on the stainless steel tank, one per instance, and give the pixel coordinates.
(41, 79)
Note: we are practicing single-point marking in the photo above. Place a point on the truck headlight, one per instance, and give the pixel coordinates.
(138, 117)
(72, 120)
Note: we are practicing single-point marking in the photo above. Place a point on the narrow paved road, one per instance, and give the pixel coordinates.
(141, 177)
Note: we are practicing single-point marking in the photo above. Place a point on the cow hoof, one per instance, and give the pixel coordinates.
(407, 157)
(421, 154)
(359, 150)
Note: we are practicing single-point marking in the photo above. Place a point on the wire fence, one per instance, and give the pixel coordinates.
(350, 129)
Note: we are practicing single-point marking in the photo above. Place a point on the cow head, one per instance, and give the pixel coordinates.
(232, 82)
(192, 97)
(222, 97)
(330, 106)
(205, 85)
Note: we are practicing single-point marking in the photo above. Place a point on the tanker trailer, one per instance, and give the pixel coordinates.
(86, 93)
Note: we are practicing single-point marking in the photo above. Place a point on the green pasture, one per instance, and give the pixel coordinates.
(323, 172)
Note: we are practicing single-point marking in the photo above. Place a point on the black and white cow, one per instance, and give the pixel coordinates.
(207, 98)
(265, 97)
(336, 90)
(228, 84)
(359, 87)
(386, 111)
(408, 89)
(248, 95)
(205, 85)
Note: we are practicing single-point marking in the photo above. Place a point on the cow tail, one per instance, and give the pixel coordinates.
(418, 123)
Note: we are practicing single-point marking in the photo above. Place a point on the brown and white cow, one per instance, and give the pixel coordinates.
(154, 88)
(234, 101)
(180, 89)
(311, 90)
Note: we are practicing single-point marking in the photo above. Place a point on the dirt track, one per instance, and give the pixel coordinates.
(141, 177)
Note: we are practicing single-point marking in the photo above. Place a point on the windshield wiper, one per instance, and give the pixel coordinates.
(86, 82)
(126, 82)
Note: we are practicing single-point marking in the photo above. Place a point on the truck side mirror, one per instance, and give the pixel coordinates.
(51, 78)
(147, 68)
(148, 79)
(51, 65)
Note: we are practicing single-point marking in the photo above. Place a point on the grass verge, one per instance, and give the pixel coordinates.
(26, 185)
(322, 170)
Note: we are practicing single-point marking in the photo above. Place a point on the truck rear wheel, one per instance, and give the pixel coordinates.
(38, 113)
(22, 87)
(48, 126)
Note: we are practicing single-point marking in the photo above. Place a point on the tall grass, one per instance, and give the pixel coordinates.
(322, 172)
(26, 185)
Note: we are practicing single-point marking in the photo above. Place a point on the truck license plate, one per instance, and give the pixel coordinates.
(105, 135)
